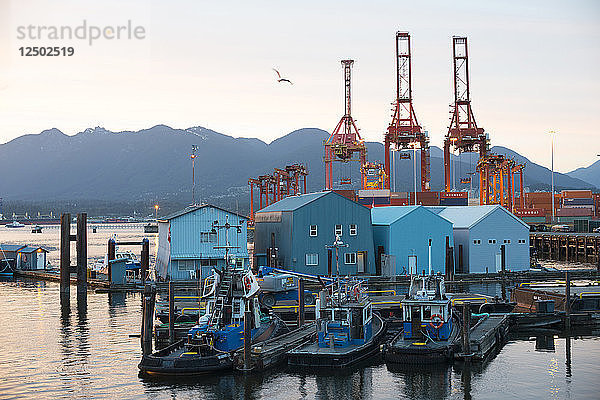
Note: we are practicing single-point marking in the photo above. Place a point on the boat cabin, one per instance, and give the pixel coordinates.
(344, 323)
(228, 295)
(426, 310)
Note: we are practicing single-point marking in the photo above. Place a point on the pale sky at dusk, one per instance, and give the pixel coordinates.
(533, 65)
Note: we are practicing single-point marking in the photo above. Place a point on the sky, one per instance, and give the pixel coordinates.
(533, 68)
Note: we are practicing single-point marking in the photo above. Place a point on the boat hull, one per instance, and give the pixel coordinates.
(300, 358)
(406, 351)
(157, 365)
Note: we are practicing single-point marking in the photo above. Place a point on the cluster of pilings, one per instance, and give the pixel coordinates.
(65, 260)
(573, 247)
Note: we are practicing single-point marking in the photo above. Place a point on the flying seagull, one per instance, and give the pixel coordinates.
(280, 79)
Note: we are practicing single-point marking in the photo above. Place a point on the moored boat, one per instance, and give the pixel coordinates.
(15, 224)
(348, 331)
(430, 332)
(215, 342)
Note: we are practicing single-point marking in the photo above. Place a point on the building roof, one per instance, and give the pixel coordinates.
(31, 249)
(11, 247)
(292, 203)
(389, 215)
(469, 216)
(190, 209)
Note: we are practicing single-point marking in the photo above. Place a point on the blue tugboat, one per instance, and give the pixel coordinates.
(348, 331)
(429, 332)
(215, 342)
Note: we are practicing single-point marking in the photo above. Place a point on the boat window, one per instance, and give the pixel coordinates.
(340, 315)
(406, 312)
(426, 312)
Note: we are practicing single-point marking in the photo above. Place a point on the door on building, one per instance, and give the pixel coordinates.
(329, 257)
(360, 261)
(41, 260)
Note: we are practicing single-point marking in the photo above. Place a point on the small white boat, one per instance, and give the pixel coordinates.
(15, 224)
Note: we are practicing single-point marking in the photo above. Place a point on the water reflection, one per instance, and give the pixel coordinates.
(423, 380)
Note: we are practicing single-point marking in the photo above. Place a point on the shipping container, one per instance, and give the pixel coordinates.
(577, 202)
(529, 212)
(533, 220)
(374, 193)
(398, 202)
(581, 225)
(574, 212)
(367, 201)
(572, 194)
(454, 201)
(349, 194)
(454, 195)
(399, 195)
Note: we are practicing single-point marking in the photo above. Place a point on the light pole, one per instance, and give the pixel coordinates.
(394, 170)
(193, 157)
(552, 163)
(156, 212)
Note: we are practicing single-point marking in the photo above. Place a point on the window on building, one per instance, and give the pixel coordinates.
(522, 241)
(186, 265)
(350, 258)
(507, 241)
(492, 241)
(476, 241)
(353, 230)
(338, 230)
(313, 230)
(208, 237)
(312, 259)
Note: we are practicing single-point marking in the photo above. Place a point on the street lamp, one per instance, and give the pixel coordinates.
(156, 212)
(552, 162)
(193, 157)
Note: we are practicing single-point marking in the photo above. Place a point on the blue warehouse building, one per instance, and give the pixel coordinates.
(479, 234)
(401, 235)
(300, 227)
(187, 241)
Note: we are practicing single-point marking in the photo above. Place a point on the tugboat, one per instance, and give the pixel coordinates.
(348, 331)
(214, 343)
(430, 332)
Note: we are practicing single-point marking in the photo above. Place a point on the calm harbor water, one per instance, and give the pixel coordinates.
(87, 353)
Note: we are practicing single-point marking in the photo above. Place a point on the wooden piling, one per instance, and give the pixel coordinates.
(300, 302)
(111, 256)
(65, 255)
(247, 339)
(149, 299)
(81, 246)
(144, 260)
(171, 312)
(568, 300)
(466, 328)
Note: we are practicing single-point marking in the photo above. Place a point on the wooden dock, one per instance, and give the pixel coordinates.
(489, 331)
(274, 351)
(566, 246)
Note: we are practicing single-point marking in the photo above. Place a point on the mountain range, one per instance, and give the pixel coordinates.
(154, 165)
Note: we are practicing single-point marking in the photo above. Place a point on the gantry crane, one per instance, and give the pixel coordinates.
(345, 140)
(373, 176)
(497, 181)
(272, 188)
(463, 133)
(404, 132)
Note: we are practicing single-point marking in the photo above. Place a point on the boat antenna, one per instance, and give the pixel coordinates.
(227, 246)
(336, 245)
(429, 256)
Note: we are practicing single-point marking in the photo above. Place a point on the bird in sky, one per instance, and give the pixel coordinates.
(280, 79)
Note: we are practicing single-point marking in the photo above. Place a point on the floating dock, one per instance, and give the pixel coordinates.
(490, 331)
